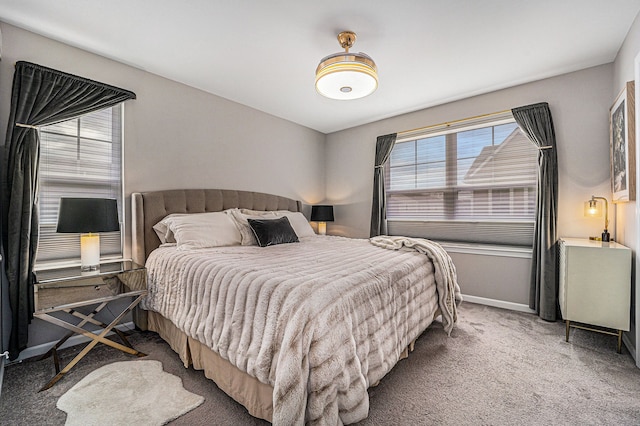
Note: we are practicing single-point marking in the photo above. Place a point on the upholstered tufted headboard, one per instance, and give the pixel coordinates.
(148, 208)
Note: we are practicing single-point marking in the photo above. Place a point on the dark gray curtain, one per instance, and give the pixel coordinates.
(535, 121)
(384, 145)
(40, 96)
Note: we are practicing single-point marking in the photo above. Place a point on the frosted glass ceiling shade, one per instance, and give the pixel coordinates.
(346, 75)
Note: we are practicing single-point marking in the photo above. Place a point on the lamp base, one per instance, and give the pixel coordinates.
(89, 252)
(322, 228)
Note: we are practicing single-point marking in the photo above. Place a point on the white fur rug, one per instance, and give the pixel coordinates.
(127, 393)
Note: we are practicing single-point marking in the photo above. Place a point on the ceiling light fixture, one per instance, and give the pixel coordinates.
(346, 75)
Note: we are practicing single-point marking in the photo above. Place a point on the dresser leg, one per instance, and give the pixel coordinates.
(567, 331)
(619, 341)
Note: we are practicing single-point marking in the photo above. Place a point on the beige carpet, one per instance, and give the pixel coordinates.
(497, 368)
(127, 393)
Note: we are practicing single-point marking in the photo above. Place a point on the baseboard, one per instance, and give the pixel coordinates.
(72, 341)
(498, 303)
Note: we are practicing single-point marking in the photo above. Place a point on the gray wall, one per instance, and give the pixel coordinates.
(180, 137)
(177, 136)
(493, 278)
(626, 216)
(579, 104)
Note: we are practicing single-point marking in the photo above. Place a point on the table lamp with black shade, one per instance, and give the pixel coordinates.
(322, 214)
(88, 216)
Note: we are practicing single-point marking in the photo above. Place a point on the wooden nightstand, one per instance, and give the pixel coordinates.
(65, 290)
(595, 285)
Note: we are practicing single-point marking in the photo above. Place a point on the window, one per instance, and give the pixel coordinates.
(473, 183)
(79, 158)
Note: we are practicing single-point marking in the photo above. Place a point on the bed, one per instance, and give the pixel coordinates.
(296, 333)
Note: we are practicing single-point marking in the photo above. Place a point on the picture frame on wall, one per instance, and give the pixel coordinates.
(622, 136)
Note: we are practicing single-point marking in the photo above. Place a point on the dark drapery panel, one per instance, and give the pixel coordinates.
(536, 122)
(384, 145)
(40, 96)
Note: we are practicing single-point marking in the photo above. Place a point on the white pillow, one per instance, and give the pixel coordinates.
(246, 233)
(203, 230)
(163, 228)
(298, 222)
(249, 212)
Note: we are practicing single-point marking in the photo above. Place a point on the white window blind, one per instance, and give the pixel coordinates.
(474, 183)
(79, 158)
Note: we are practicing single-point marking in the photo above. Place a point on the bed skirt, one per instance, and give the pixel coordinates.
(255, 396)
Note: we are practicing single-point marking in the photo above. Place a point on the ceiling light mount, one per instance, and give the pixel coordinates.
(346, 39)
(346, 75)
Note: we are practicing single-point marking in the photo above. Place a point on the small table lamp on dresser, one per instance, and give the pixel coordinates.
(322, 215)
(88, 216)
(593, 209)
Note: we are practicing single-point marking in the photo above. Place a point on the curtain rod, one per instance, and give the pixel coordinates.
(449, 123)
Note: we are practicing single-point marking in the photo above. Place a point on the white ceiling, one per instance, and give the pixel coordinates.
(264, 53)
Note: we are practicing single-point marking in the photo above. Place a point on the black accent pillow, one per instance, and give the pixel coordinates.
(269, 232)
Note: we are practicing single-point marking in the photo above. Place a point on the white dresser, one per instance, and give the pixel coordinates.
(595, 285)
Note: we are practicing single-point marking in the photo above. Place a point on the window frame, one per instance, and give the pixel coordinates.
(74, 239)
(451, 226)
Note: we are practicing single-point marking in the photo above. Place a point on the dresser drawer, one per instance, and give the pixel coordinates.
(57, 294)
(61, 287)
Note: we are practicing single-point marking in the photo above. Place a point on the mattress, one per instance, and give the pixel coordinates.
(317, 321)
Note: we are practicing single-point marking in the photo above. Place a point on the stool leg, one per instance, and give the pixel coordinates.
(567, 331)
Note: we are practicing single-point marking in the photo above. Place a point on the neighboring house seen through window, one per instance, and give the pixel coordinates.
(474, 183)
(79, 158)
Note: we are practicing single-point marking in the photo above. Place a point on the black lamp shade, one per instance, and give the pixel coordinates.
(88, 215)
(321, 213)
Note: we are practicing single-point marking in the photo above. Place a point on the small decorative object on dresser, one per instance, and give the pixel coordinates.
(595, 285)
(68, 290)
